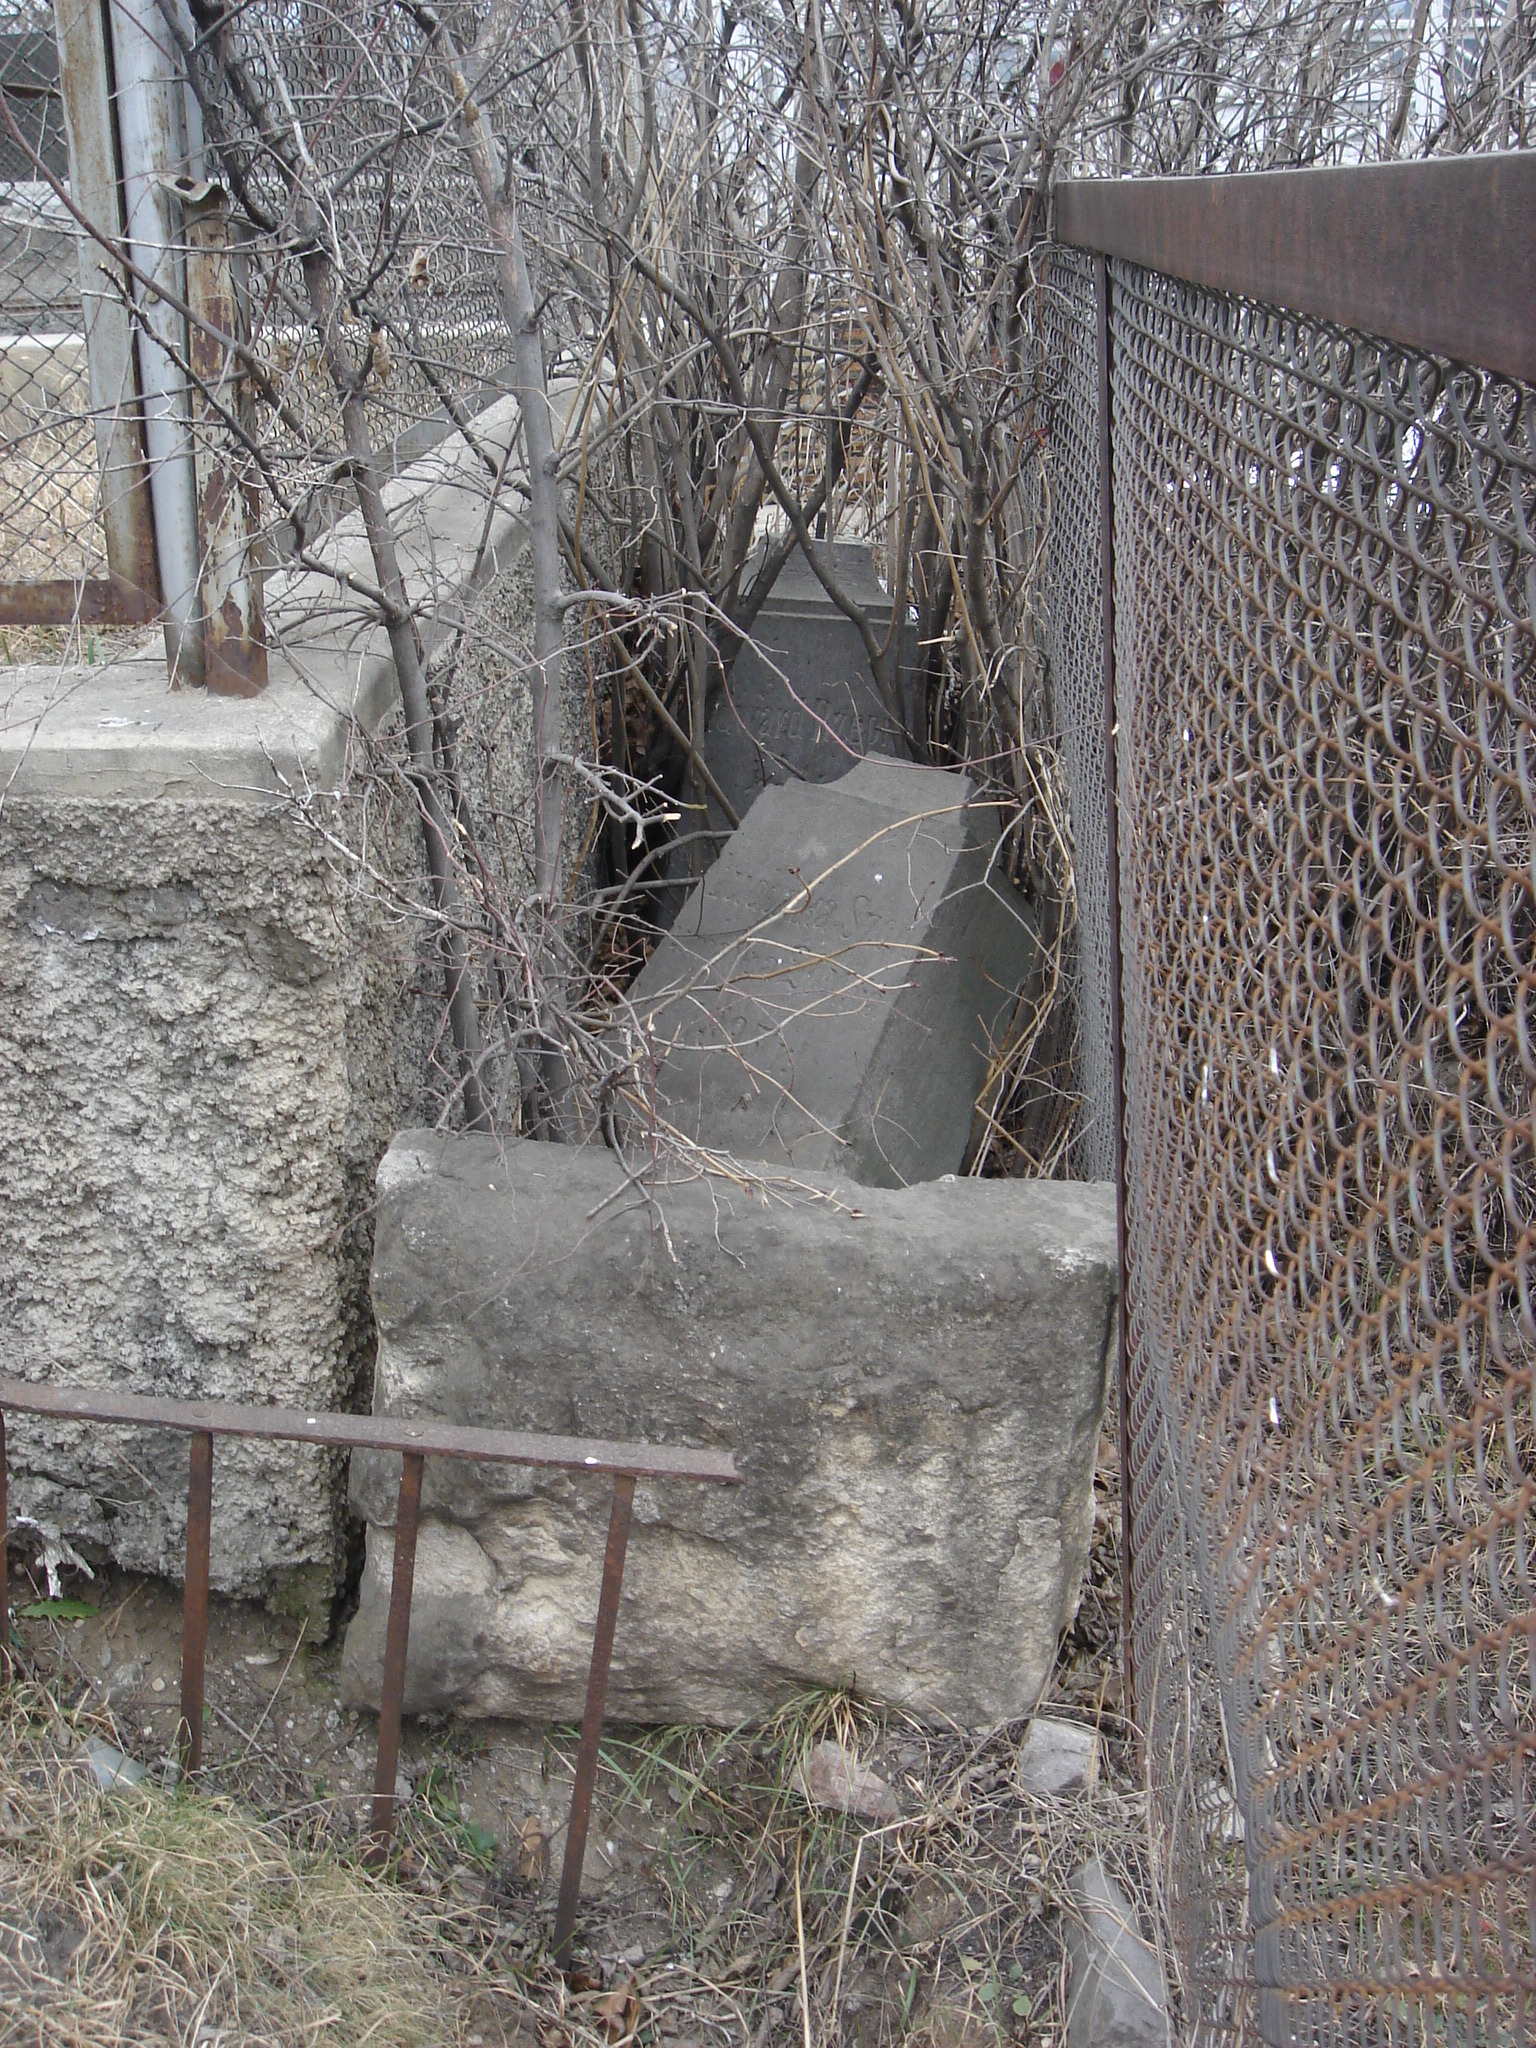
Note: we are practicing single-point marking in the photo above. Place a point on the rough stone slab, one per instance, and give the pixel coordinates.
(829, 996)
(911, 1381)
(802, 703)
(1115, 1994)
(1057, 1758)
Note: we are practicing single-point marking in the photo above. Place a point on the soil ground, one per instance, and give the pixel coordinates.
(718, 1905)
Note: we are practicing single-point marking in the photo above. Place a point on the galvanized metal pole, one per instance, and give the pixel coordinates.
(592, 1718)
(396, 1642)
(194, 1602)
(153, 151)
(1116, 1014)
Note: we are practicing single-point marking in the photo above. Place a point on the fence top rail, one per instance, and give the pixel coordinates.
(420, 1435)
(1438, 255)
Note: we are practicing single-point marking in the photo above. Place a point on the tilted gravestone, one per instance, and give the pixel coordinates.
(831, 993)
(802, 703)
(911, 1381)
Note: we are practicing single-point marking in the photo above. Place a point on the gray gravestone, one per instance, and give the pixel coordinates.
(830, 994)
(802, 703)
(911, 1381)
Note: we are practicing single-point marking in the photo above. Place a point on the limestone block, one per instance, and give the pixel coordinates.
(911, 1381)
(801, 701)
(829, 996)
(1115, 1995)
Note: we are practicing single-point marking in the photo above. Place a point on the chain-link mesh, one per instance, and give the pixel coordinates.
(401, 218)
(49, 490)
(1073, 641)
(1325, 580)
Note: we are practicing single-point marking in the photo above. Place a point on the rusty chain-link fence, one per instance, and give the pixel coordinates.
(408, 234)
(1323, 567)
(49, 479)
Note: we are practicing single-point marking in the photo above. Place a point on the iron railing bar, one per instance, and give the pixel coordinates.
(592, 1717)
(194, 1601)
(370, 1433)
(417, 1442)
(1436, 255)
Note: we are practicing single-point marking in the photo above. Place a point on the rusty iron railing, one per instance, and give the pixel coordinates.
(1293, 470)
(415, 1440)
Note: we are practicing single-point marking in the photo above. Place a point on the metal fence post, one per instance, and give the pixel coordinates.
(234, 649)
(194, 1605)
(152, 150)
(1116, 1014)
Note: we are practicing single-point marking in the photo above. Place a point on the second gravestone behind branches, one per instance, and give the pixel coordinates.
(831, 994)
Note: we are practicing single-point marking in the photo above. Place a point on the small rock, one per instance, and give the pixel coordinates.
(110, 1765)
(158, 1686)
(1115, 1996)
(931, 1911)
(1058, 1757)
(405, 1791)
(532, 1851)
(259, 1659)
(829, 1776)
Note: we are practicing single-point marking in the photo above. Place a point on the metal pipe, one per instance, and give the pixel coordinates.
(592, 1718)
(194, 1601)
(153, 151)
(396, 1643)
(229, 607)
(1437, 254)
(1116, 1016)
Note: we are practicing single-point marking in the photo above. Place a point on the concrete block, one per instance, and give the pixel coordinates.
(911, 1381)
(829, 995)
(205, 1049)
(1115, 1993)
(802, 703)
(1058, 1758)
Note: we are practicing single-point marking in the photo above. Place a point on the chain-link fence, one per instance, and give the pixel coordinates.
(49, 489)
(414, 258)
(1324, 581)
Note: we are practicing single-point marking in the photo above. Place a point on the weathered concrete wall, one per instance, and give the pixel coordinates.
(911, 1380)
(206, 1045)
(200, 1068)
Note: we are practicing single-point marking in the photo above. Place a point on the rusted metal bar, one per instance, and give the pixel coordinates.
(1116, 1017)
(396, 1642)
(1437, 254)
(194, 1601)
(370, 1433)
(416, 1441)
(229, 603)
(592, 1717)
(126, 517)
(62, 601)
